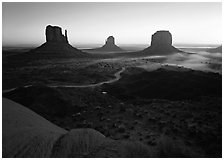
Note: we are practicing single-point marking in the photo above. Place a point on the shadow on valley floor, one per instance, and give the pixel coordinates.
(164, 84)
(171, 113)
(178, 114)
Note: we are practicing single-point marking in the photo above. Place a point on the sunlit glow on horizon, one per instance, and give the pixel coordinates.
(129, 23)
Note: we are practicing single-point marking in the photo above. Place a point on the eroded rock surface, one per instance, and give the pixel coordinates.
(26, 134)
(161, 43)
(54, 34)
(57, 43)
(109, 46)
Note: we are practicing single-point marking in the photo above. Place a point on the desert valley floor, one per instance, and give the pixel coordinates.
(153, 100)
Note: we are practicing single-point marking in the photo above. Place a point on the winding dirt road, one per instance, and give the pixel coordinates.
(117, 77)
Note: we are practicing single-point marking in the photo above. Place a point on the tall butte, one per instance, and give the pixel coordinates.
(56, 43)
(54, 35)
(161, 44)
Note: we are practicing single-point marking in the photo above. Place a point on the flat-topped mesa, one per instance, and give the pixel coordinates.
(161, 43)
(161, 38)
(54, 34)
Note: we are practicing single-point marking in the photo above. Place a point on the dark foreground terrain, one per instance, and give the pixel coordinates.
(173, 113)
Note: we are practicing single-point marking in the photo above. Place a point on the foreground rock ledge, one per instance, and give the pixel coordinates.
(26, 134)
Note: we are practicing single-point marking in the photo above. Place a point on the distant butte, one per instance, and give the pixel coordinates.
(161, 44)
(109, 46)
(56, 43)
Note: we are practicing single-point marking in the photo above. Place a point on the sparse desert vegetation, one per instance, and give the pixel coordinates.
(149, 107)
(111, 80)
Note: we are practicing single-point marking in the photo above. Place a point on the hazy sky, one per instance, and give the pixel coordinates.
(129, 23)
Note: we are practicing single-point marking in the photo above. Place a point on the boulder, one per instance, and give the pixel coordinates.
(25, 134)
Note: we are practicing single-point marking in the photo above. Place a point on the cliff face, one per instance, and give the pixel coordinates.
(110, 41)
(161, 39)
(56, 43)
(54, 34)
(161, 43)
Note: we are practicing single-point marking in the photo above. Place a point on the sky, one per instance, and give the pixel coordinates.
(23, 23)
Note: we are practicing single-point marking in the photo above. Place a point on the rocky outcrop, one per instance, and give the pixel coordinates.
(57, 44)
(161, 43)
(161, 39)
(54, 34)
(110, 41)
(109, 46)
(39, 138)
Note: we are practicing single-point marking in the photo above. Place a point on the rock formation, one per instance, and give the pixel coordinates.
(56, 43)
(161, 43)
(161, 39)
(110, 41)
(54, 34)
(109, 46)
(26, 134)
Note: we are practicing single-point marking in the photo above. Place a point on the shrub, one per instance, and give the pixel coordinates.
(168, 147)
